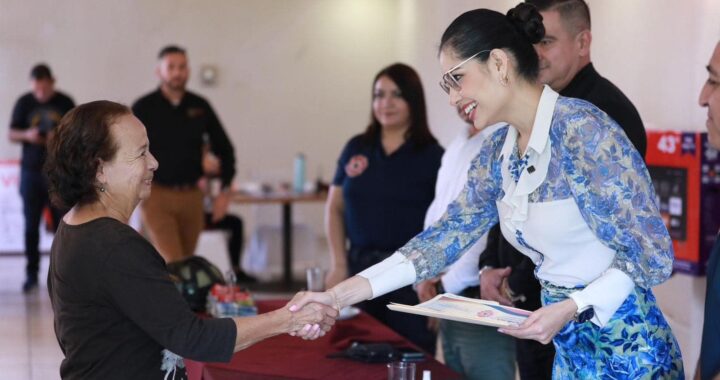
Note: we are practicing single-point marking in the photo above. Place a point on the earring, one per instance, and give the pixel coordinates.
(102, 188)
(504, 81)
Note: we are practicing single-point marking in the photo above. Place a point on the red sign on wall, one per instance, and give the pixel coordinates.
(685, 172)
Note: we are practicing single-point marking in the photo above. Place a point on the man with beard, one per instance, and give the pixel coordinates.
(176, 120)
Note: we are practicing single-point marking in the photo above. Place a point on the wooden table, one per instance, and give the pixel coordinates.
(286, 199)
(286, 357)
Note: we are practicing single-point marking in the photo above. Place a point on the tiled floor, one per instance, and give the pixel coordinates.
(28, 349)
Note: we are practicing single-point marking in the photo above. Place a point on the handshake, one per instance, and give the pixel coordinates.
(312, 314)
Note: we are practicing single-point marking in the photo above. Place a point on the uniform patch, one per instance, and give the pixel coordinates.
(356, 166)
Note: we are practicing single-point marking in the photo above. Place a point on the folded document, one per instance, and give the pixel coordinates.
(463, 309)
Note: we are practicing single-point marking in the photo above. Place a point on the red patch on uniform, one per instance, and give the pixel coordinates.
(357, 164)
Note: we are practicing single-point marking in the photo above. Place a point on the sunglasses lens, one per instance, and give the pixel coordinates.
(448, 82)
(444, 87)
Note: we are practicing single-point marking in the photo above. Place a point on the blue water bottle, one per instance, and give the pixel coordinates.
(299, 179)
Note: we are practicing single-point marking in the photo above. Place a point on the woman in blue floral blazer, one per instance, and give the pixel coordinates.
(568, 190)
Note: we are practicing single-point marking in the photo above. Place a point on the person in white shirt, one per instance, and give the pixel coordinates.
(568, 190)
(478, 352)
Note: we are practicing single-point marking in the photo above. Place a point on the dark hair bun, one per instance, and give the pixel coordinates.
(527, 21)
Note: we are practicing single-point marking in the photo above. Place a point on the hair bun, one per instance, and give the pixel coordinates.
(527, 21)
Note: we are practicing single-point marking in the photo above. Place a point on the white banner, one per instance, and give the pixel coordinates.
(12, 221)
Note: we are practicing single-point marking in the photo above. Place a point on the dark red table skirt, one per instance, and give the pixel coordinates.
(286, 357)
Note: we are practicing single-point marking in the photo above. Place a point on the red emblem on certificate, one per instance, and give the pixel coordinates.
(357, 164)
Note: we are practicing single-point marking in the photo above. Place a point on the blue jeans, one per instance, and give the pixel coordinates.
(34, 192)
(478, 352)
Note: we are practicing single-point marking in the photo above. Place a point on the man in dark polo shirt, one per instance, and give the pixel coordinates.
(176, 120)
(506, 275)
(34, 117)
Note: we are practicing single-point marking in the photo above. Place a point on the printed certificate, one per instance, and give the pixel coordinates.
(463, 309)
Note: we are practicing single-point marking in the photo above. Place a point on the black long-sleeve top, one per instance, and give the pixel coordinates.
(176, 137)
(116, 309)
(591, 86)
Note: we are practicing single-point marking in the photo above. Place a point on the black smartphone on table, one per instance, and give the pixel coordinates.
(411, 355)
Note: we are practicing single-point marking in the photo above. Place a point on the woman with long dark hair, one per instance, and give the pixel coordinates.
(384, 183)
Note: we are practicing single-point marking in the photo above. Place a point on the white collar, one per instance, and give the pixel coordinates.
(541, 126)
(543, 118)
(539, 152)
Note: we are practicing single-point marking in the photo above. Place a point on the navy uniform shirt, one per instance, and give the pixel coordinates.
(29, 113)
(176, 138)
(386, 196)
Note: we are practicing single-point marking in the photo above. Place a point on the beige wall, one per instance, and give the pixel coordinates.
(295, 75)
(294, 71)
(290, 71)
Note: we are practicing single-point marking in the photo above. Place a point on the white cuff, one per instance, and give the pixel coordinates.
(390, 274)
(605, 295)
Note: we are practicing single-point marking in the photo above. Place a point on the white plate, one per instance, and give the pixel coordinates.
(348, 312)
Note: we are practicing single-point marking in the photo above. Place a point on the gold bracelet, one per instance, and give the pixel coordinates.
(334, 296)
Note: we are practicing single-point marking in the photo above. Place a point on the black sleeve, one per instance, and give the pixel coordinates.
(221, 146)
(620, 109)
(138, 284)
(345, 155)
(630, 122)
(70, 104)
(138, 109)
(490, 256)
(522, 278)
(19, 115)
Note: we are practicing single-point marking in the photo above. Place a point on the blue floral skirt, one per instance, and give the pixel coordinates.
(636, 343)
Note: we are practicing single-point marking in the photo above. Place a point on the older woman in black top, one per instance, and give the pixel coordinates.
(117, 314)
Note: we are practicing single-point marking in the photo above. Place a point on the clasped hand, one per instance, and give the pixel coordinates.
(312, 314)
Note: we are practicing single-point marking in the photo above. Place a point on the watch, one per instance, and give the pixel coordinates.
(585, 314)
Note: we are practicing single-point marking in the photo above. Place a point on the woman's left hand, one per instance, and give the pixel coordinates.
(543, 324)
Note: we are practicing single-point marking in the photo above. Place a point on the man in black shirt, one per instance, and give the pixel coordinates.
(176, 120)
(507, 275)
(34, 117)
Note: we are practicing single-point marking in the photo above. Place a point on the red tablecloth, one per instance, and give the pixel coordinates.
(286, 357)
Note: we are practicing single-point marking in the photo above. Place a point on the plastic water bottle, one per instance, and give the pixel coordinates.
(299, 179)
